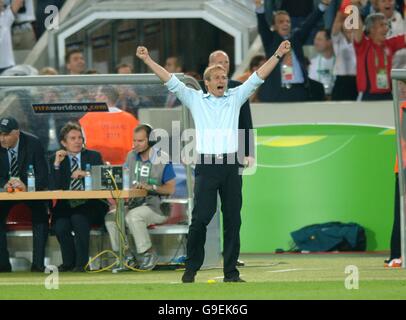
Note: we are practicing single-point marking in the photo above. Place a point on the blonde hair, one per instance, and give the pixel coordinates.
(48, 71)
(207, 73)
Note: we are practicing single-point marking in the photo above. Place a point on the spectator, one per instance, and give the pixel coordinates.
(172, 65)
(48, 71)
(194, 74)
(374, 58)
(7, 18)
(124, 68)
(20, 70)
(255, 63)
(129, 100)
(23, 31)
(321, 67)
(52, 121)
(396, 26)
(345, 86)
(75, 62)
(289, 82)
(110, 133)
(91, 71)
(297, 10)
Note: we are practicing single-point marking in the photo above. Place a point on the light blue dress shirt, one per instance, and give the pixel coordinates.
(216, 118)
(297, 71)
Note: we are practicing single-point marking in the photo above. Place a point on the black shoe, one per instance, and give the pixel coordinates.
(188, 277)
(237, 279)
(34, 268)
(63, 268)
(240, 263)
(5, 268)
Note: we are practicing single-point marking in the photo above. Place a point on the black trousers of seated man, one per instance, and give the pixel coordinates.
(79, 219)
(40, 221)
(210, 179)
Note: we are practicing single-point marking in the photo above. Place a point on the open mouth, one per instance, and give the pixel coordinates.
(220, 88)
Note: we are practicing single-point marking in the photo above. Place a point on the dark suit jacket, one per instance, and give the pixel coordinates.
(271, 41)
(244, 121)
(30, 151)
(60, 179)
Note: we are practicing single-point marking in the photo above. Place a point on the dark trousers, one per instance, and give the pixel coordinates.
(377, 96)
(296, 93)
(75, 249)
(39, 229)
(345, 89)
(395, 238)
(210, 179)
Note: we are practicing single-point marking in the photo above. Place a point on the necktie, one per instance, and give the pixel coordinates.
(13, 164)
(75, 184)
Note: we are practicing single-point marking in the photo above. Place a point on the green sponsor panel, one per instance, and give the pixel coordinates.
(319, 173)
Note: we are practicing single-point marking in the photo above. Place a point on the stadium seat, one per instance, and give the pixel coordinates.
(19, 218)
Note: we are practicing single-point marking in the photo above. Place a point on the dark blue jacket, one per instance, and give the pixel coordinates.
(30, 151)
(271, 40)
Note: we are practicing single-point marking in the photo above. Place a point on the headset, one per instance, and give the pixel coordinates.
(150, 135)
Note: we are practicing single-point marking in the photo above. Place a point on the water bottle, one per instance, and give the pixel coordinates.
(30, 179)
(88, 178)
(126, 178)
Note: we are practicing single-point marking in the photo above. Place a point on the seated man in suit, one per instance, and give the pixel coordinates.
(67, 173)
(18, 151)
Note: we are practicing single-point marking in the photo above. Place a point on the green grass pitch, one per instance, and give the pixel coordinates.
(269, 277)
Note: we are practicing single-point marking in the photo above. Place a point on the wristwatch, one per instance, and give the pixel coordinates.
(277, 56)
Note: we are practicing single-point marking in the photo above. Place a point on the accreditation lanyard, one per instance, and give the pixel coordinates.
(381, 73)
(287, 67)
(325, 75)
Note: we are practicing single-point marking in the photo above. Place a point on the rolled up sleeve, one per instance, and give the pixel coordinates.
(245, 90)
(182, 92)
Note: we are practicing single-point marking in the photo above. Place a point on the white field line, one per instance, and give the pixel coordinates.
(308, 162)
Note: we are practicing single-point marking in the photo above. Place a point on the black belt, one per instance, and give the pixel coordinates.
(217, 158)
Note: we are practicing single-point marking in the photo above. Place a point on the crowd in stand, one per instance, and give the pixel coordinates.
(352, 60)
(335, 55)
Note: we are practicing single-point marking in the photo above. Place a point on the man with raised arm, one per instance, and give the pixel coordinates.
(217, 169)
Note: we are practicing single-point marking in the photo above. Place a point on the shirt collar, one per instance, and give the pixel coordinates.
(15, 149)
(77, 157)
(207, 95)
(153, 152)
